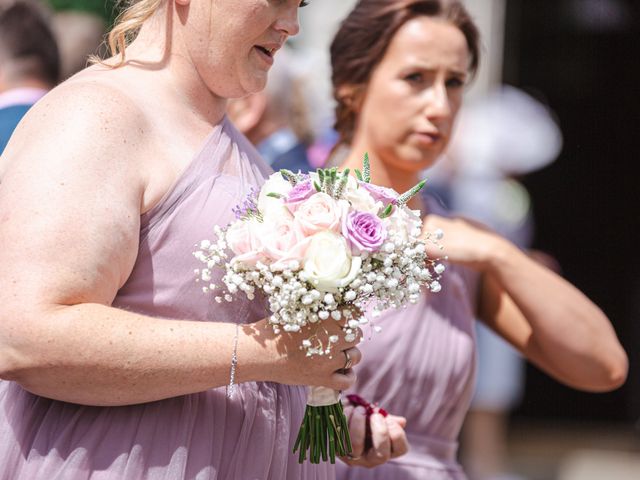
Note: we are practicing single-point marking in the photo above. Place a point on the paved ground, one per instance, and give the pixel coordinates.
(574, 451)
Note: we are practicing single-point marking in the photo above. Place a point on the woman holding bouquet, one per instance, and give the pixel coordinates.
(113, 362)
(399, 71)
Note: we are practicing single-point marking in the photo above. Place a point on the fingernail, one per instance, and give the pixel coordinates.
(360, 411)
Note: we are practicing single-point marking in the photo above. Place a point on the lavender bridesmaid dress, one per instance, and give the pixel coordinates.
(199, 436)
(422, 366)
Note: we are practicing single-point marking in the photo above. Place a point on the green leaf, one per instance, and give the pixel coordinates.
(386, 212)
(342, 184)
(366, 168)
(275, 195)
(406, 196)
(317, 187)
(358, 174)
(289, 176)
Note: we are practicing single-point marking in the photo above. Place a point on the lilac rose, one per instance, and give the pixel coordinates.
(364, 231)
(299, 194)
(383, 194)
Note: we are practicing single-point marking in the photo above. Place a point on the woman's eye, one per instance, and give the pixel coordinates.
(304, 3)
(414, 78)
(455, 83)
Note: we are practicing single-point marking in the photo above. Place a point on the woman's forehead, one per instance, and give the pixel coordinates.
(429, 43)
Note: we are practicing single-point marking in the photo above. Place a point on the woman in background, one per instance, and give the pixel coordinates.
(399, 72)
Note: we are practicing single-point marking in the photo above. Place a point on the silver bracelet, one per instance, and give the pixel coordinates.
(231, 389)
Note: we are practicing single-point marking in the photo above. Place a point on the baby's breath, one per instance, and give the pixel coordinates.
(390, 278)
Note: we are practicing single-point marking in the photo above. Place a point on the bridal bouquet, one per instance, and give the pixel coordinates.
(322, 246)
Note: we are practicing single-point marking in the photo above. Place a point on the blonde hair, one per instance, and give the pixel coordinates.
(127, 26)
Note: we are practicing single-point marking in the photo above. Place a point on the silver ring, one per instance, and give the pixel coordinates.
(350, 457)
(349, 363)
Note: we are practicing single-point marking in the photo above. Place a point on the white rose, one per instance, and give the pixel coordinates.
(359, 198)
(328, 262)
(269, 206)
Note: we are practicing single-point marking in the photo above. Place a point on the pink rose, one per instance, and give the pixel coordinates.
(283, 242)
(320, 212)
(243, 238)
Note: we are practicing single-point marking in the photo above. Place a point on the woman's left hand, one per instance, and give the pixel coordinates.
(388, 439)
(465, 242)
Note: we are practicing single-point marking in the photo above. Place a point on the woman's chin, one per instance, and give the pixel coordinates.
(416, 161)
(244, 88)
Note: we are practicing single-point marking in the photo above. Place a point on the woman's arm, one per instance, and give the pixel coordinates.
(70, 203)
(545, 317)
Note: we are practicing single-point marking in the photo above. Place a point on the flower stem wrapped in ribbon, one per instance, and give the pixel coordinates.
(322, 246)
(324, 431)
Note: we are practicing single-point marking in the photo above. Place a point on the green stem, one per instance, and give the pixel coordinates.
(324, 434)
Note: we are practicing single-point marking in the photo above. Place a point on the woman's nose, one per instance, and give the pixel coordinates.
(288, 23)
(438, 105)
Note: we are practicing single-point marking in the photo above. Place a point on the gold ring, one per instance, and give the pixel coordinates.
(349, 363)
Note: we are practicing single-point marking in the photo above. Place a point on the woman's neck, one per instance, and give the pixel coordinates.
(159, 48)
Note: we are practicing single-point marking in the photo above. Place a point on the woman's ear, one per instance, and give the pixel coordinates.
(352, 96)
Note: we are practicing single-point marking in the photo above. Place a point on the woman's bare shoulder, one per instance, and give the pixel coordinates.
(90, 113)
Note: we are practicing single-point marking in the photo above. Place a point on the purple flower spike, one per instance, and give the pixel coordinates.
(248, 207)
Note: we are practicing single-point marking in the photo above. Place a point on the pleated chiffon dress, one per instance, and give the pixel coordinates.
(198, 436)
(422, 366)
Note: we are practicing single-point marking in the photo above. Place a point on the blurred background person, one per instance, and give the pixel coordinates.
(399, 72)
(499, 137)
(275, 119)
(578, 56)
(79, 27)
(29, 61)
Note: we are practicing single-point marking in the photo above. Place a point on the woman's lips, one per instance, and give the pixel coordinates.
(427, 138)
(265, 54)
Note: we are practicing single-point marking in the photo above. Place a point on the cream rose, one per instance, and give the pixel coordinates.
(320, 212)
(360, 199)
(328, 262)
(270, 206)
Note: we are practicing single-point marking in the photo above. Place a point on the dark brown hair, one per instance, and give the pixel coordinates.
(26, 40)
(365, 35)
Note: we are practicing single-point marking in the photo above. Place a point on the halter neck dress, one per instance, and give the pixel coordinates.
(199, 436)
